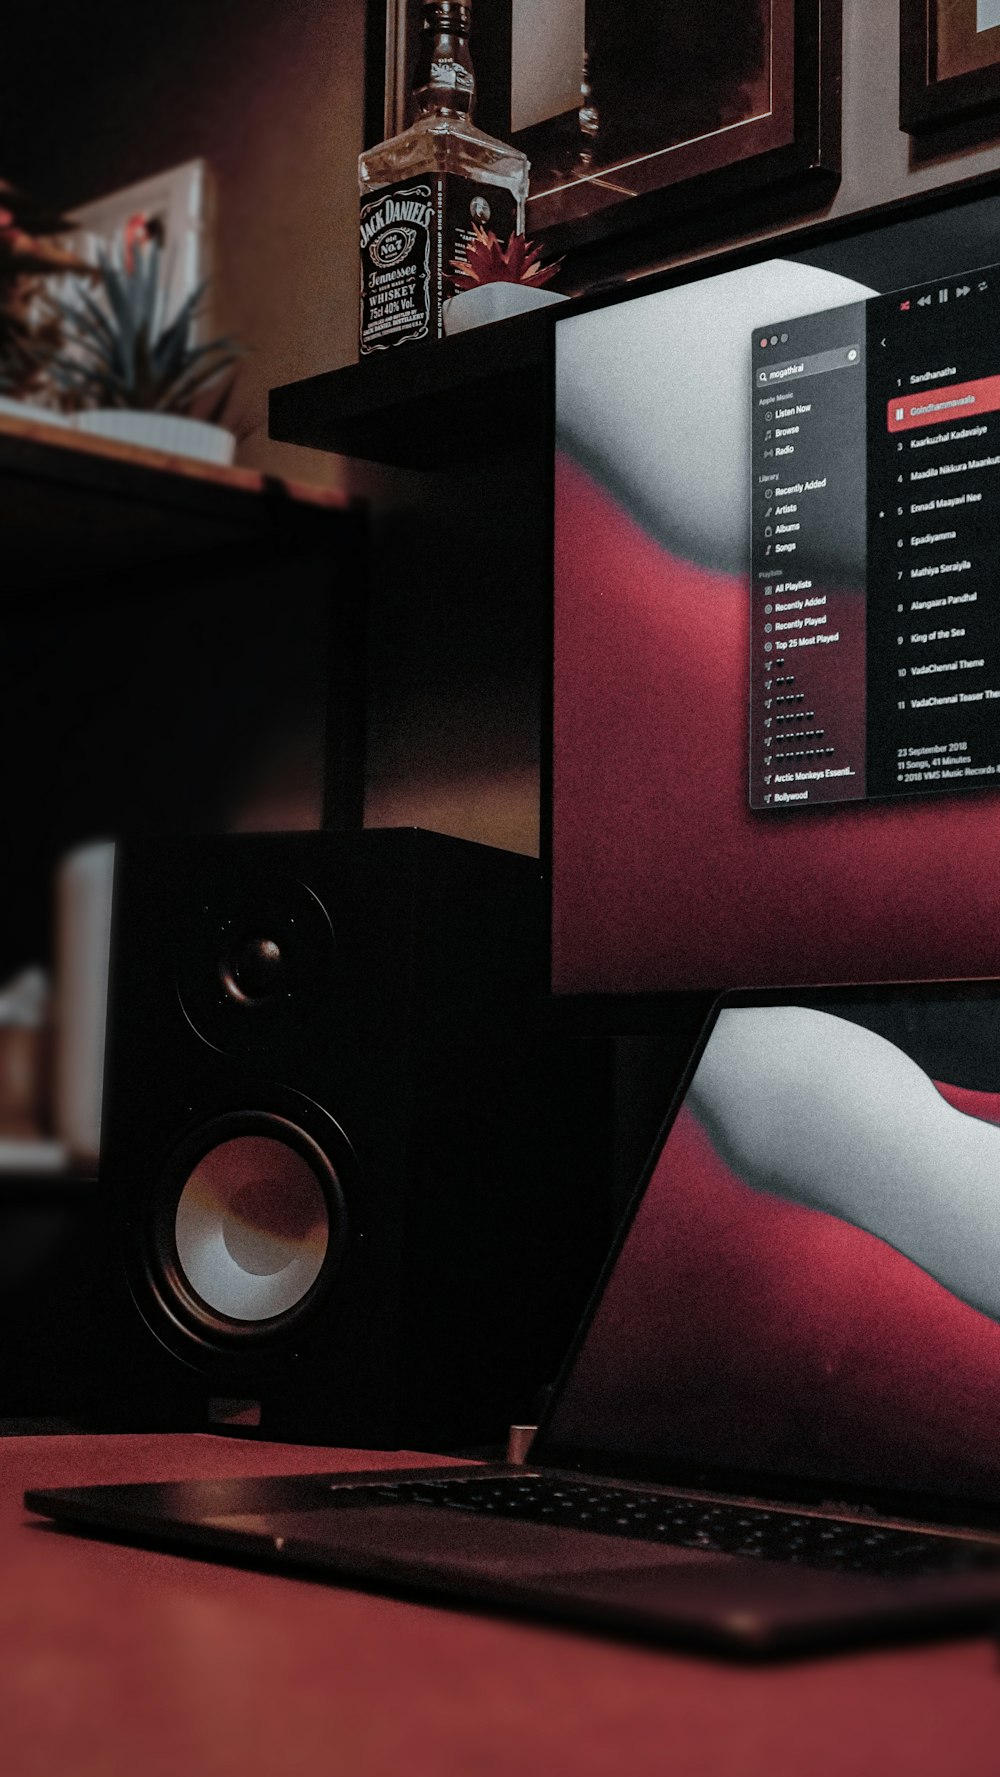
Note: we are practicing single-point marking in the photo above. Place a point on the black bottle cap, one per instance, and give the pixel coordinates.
(448, 15)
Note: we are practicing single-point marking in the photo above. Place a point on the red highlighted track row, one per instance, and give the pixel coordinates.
(936, 407)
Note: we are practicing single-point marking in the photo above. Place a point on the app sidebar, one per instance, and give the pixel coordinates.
(807, 696)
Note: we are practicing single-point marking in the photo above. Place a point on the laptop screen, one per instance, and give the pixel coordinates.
(810, 1286)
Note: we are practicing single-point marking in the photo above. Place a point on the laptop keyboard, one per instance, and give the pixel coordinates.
(716, 1527)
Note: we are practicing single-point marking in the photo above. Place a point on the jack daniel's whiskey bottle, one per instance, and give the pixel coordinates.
(422, 193)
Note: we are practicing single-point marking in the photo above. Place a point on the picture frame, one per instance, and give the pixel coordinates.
(181, 204)
(949, 61)
(639, 139)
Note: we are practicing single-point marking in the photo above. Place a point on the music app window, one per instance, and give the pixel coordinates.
(875, 620)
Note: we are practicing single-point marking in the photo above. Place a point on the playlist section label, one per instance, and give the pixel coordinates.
(807, 695)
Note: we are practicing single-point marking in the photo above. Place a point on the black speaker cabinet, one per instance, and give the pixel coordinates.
(347, 1194)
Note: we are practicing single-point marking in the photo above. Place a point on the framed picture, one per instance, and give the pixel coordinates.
(949, 65)
(634, 114)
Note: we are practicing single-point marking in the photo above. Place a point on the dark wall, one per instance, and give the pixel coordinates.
(269, 92)
(197, 704)
(457, 642)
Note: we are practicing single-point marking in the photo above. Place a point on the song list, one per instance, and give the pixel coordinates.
(875, 645)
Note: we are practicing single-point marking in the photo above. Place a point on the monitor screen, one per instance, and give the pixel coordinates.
(776, 735)
(810, 1286)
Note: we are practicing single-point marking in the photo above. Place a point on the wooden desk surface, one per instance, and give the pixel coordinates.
(117, 1662)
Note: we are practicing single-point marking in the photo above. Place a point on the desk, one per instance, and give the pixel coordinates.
(117, 1662)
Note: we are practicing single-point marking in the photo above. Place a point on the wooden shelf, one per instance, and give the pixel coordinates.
(427, 406)
(73, 507)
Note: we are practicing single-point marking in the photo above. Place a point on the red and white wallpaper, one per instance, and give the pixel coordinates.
(663, 877)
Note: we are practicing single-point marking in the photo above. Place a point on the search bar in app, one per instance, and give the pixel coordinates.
(768, 376)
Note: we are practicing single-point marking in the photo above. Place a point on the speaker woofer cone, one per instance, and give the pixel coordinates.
(250, 1226)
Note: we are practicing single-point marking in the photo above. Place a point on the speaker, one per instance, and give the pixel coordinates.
(336, 1201)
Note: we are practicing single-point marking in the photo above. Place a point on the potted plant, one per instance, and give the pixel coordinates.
(134, 372)
(494, 281)
(30, 328)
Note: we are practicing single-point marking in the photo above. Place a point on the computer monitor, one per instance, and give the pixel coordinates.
(776, 693)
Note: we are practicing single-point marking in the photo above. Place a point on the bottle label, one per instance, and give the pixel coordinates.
(398, 226)
(413, 234)
(471, 205)
(447, 73)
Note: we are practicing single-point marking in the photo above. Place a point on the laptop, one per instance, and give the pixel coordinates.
(779, 1426)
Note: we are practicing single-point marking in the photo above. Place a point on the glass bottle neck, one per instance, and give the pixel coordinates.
(445, 82)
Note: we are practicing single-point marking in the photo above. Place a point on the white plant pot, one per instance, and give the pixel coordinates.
(39, 416)
(493, 302)
(173, 432)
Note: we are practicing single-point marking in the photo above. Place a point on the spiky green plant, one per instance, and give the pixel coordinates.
(126, 353)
